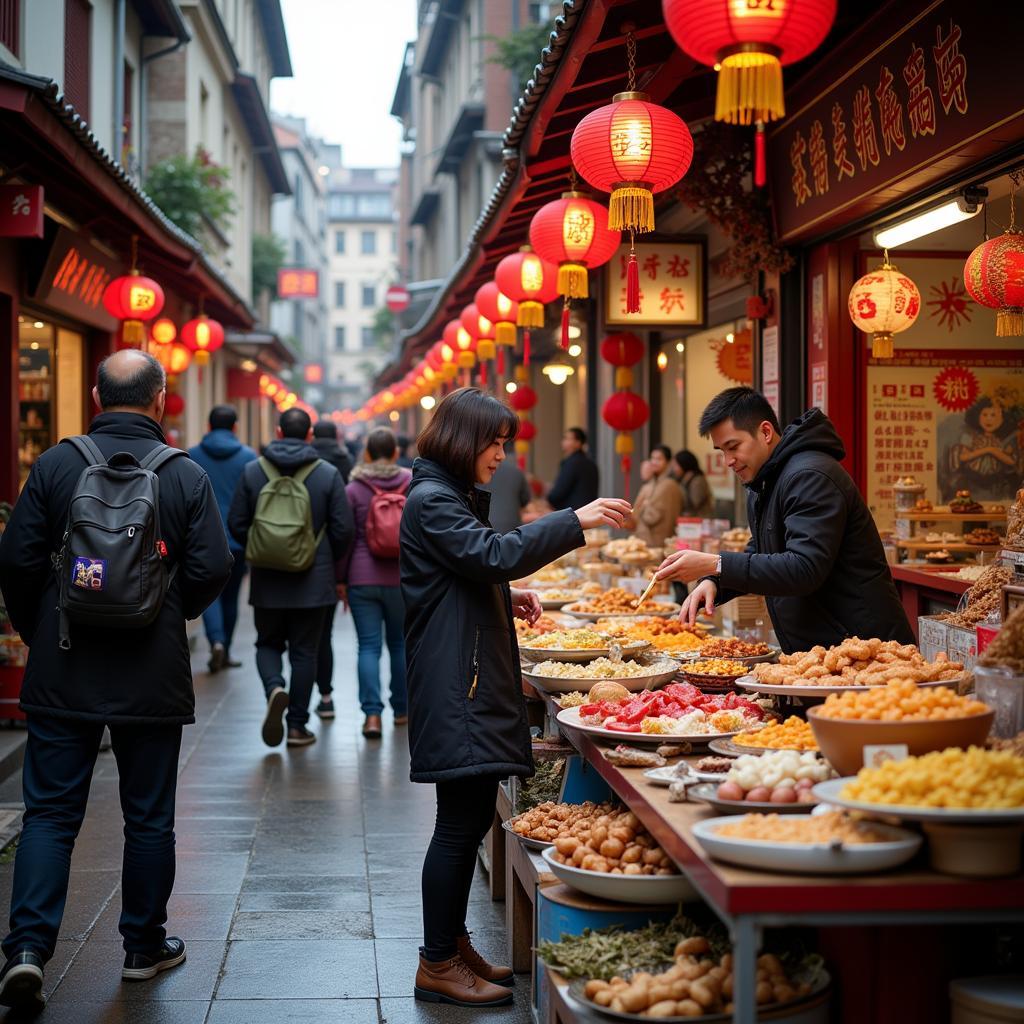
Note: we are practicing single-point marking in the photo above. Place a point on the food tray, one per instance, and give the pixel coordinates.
(718, 682)
(706, 791)
(664, 611)
(750, 683)
(570, 717)
(533, 844)
(580, 655)
(772, 655)
(828, 792)
(655, 889)
(729, 749)
(809, 858)
(635, 684)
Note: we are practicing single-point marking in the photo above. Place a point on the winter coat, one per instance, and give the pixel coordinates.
(332, 452)
(467, 715)
(814, 550)
(660, 503)
(223, 457)
(697, 497)
(121, 676)
(510, 494)
(314, 588)
(360, 567)
(576, 483)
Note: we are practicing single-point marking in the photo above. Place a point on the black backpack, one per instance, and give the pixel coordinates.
(111, 568)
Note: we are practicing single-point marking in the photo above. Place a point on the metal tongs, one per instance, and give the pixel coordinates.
(647, 593)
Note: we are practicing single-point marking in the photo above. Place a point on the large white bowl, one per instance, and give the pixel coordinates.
(807, 858)
(665, 610)
(654, 889)
(635, 684)
(581, 655)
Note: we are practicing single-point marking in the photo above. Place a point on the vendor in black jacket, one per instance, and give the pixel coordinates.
(467, 718)
(814, 550)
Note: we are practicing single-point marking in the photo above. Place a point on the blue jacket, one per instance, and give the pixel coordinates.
(223, 457)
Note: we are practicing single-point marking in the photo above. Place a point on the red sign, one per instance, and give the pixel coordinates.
(21, 211)
(397, 298)
(314, 373)
(74, 279)
(296, 283)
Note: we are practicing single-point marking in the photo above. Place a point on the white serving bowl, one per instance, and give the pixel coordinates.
(655, 889)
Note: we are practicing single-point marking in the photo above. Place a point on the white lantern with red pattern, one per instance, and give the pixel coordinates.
(883, 303)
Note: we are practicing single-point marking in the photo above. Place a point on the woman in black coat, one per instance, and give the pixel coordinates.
(467, 718)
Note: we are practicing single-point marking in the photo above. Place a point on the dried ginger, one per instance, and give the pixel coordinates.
(1007, 649)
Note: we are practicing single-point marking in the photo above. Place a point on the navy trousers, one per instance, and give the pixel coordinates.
(59, 760)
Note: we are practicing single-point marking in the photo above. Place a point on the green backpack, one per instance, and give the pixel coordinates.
(281, 535)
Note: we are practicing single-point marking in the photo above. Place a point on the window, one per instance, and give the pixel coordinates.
(369, 299)
(77, 32)
(9, 27)
(339, 243)
(368, 338)
(339, 339)
(339, 294)
(394, 242)
(360, 205)
(368, 243)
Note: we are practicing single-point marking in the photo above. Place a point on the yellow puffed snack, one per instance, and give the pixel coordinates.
(901, 700)
(792, 734)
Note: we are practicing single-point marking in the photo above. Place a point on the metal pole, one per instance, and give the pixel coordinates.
(119, 20)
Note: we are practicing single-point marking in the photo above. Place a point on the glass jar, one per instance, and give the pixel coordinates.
(1003, 691)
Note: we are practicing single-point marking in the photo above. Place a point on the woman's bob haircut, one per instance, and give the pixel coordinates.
(465, 423)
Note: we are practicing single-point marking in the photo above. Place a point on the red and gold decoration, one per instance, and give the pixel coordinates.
(175, 358)
(163, 331)
(748, 44)
(134, 300)
(883, 303)
(624, 411)
(481, 330)
(531, 283)
(175, 405)
(461, 342)
(203, 336)
(522, 400)
(956, 388)
(494, 304)
(994, 276)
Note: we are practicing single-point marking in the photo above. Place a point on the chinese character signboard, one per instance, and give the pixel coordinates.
(74, 278)
(910, 103)
(297, 283)
(672, 284)
(21, 211)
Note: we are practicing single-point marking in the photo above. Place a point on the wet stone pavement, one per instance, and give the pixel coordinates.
(297, 885)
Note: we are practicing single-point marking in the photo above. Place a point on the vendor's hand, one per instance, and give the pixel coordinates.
(526, 605)
(603, 512)
(341, 589)
(686, 566)
(703, 594)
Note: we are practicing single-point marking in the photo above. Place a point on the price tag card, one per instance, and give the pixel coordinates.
(876, 755)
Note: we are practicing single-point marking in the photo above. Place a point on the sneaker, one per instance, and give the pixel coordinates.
(325, 709)
(21, 981)
(300, 737)
(143, 966)
(273, 720)
(218, 658)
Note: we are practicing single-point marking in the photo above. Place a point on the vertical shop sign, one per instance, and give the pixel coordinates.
(21, 211)
(819, 387)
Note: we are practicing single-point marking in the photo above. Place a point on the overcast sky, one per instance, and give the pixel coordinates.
(346, 55)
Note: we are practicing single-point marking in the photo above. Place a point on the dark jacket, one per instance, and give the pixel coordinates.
(223, 457)
(576, 484)
(314, 588)
(458, 627)
(112, 675)
(510, 494)
(332, 452)
(361, 567)
(814, 550)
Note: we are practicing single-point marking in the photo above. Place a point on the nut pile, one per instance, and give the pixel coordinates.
(605, 840)
(617, 601)
(983, 599)
(1007, 649)
(732, 647)
(901, 701)
(724, 667)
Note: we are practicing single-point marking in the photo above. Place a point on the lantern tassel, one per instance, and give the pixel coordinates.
(501, 361)
(572, 281)
(749, 89)
(134, 333)
(505, 333)
(521, 459)
(760, 161)
(531, 314)
(881, 345)
(631, 209)
(627, 465)
(565, 323)
(632, 284)
(1010, 322)
(483, 373)
(526, 347)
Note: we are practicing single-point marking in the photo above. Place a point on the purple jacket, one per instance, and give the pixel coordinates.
(359, 567)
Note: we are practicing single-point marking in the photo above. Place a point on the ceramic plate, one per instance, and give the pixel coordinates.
(629, 648)
(750, 683)
(707, 791)
(663, 611)
(571, 717)
(624, 888)
(635, 684)
(533, 844)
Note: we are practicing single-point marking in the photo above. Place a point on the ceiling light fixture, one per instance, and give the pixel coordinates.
(575, 351)
(428, 402)
(680, 346)
(662, 361)
(558, 373)
(949, 211)
(511, 387)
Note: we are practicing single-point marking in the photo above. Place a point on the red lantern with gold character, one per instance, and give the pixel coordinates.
(162, 331)
(203, 336)
(994, 276)
(174, 358)
(133, 299)
(531, 282)
(494, 304)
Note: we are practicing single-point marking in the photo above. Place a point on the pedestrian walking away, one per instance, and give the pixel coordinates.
(325, 442)
(223, 457)
(291, 512)
(122, 555)
(467, 715)
(577, 482)
(370, 575)
(510, 494)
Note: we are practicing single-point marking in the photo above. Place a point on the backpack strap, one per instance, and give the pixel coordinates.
(269, 469)
(87, 448)
(158, 456)
(301, 475)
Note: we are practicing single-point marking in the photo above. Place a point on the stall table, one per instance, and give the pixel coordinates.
(924, 593)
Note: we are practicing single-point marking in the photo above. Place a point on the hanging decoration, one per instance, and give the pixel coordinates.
(624, 411)
(481, 330)
(494, 304)
(174, 405)
(883, 303)
(522, 400)
(203, 336)
(134, 300)
(994, 272)
(631, 148)
(162, 331)
(748, 45)
(174, 358)
(530, 282)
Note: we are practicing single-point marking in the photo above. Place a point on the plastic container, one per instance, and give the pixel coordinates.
(1003, 691)
(974, 851)
(992, 1000)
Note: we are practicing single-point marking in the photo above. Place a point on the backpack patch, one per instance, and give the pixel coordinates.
(89, 573)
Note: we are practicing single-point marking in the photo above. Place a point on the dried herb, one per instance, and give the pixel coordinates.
(544, 785)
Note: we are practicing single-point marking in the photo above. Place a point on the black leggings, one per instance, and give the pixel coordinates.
(465, 813)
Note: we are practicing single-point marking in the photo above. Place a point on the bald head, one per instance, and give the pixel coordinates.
(131, 380)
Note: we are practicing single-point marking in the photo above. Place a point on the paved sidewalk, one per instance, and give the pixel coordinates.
(297, 881)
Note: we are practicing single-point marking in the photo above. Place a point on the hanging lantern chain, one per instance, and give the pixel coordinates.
(135, 254)
(1015, 182)
(631, 61)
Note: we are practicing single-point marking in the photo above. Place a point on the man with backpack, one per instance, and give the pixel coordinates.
(376, 491)
(115, 541)
(291, 513)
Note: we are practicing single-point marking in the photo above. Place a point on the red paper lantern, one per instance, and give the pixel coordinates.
(523, 399)
(994, 276)
(631, 148)
(203, 336)
(625, 411)
(623, 350)
(174, 358)
(162, 331)
(175, 404)
(527, 431)
(480, 329)
(494, 304)
(573, 233)
(133, 299)
(461, 343)
(529, 281)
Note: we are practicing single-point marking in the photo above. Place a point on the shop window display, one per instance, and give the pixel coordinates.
(35, 392)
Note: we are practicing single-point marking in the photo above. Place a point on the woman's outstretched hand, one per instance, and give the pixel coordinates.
(604, 512)
(526, 605)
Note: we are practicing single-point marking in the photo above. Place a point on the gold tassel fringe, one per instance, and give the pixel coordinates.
(749, 89)
(623, 378)
(133, 332)
(522, 447)
(467, 360)
(631, 209)
(522, 374)
(485, 349)
(623, 444)
(505, 333)
(1010, 322)
(882, 345)
(572, 281)
(531, 314)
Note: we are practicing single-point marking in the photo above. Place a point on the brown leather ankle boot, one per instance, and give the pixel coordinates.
(451, 981)
(494, 973)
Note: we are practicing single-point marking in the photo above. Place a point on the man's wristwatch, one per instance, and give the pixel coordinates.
(718, 566)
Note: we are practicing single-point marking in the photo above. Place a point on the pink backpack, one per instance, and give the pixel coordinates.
(383, 520)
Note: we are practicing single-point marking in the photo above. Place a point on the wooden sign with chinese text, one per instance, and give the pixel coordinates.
(298, 283)
(74, 278)
(672, 277)
(943, 83)
(21, 211)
